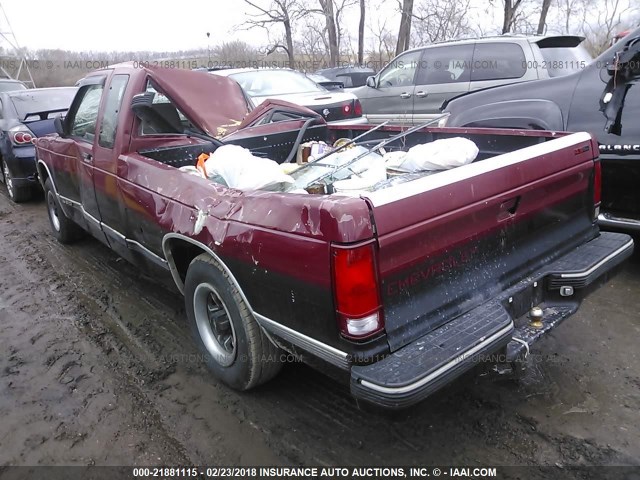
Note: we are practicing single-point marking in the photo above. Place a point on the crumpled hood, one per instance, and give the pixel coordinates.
(213, 103)
(271, 103)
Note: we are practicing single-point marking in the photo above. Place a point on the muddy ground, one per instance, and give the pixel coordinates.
(97, 367)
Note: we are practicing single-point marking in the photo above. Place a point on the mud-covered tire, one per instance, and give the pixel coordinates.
(17, 194)
(211, 297)
(62, 227)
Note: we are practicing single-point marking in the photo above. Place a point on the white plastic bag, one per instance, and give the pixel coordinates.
(240, 169)
(440, 155)
(394, 159)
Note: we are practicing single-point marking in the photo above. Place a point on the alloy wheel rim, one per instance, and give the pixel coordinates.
(214, 324)
(53, 212)
(7, 179)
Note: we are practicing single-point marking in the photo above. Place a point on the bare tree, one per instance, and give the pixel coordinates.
(404, 32)
(569, 10)
(284, 12)
(542, 22)
(384, 42)
(610, 16)
(331, 29)
(313, 44)
(332, 12)
(439, 20)
(363, 9)
(510, 14)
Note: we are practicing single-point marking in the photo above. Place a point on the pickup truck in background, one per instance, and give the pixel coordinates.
(397, 291)
(603, 98)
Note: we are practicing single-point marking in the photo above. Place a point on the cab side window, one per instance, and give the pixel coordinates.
(447, 64)
(401, 71)
(498, 61)
(167, 118)
(83, 122)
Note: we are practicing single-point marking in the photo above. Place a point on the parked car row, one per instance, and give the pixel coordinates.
(412, 88)
(602, 98)
(547, 82)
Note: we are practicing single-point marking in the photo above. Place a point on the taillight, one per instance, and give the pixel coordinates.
(597, 183)
(597, 188)
(21, 138)
(357, 108)
(346, 109)
(356, 290)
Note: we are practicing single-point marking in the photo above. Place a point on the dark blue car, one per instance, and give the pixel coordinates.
(24, 116)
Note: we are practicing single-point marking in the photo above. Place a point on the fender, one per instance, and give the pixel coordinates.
(166, 248)
(64, 203)
(528, 114)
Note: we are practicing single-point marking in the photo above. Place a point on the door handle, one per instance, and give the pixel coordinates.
(421, 94)
(405, 95)
(87, 158)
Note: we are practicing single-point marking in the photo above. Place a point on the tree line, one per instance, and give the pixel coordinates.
(311, 34)
(312, 28)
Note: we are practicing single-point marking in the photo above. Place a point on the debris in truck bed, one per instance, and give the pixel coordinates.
(370, 167)
(240, 169)
(440, 154)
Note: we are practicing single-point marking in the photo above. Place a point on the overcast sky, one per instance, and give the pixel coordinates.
(134, 25)
(125, 24)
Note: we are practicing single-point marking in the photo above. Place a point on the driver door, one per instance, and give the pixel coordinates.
(392, 98)
(82, 130)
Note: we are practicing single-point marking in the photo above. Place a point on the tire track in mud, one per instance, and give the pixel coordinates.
(124, 333)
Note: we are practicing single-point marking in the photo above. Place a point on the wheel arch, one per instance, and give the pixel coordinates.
(44, 174)
(531, 114)
(180, 250)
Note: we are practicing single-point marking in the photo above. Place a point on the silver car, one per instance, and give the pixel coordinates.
(336, 106)
(413, 87)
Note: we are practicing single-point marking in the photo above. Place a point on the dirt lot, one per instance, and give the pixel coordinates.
(97, 367)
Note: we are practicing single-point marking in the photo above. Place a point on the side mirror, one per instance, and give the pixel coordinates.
(371, 82)
(59, 125)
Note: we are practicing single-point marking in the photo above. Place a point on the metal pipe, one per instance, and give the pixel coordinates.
(378, 146)
(328, 154)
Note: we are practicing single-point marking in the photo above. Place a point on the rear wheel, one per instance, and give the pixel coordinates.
(235, 348)
(63, 228)
(17, 194)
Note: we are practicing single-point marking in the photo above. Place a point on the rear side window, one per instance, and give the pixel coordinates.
(498, 61)
(167, 118)
(111, 111)
(83, 123)
(450, 64)
(561, 61)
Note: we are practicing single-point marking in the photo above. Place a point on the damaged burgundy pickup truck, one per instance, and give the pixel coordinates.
(397, 290)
